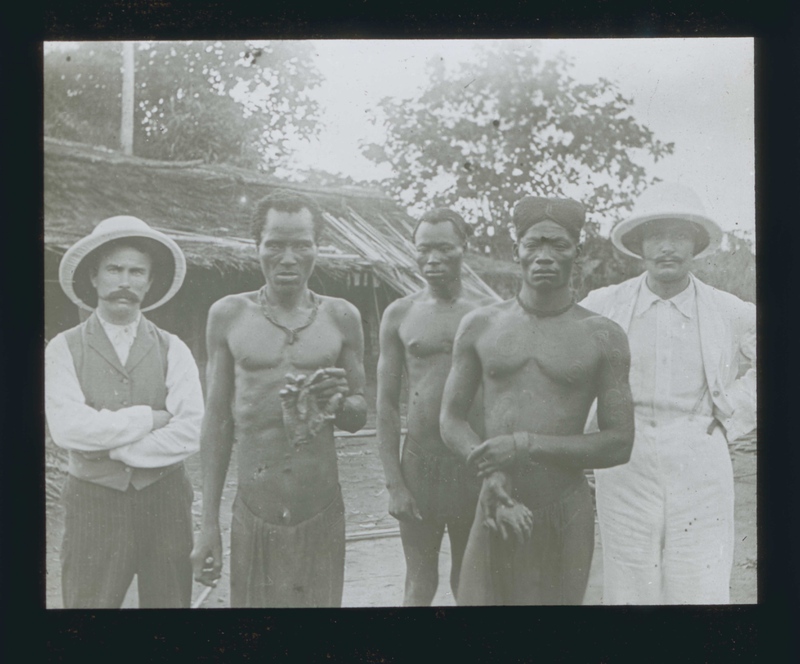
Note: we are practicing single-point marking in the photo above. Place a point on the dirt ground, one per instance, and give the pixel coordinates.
(374, 564)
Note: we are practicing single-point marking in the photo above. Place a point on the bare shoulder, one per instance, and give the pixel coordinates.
(476, 301)
(343, 312)
(603, 331)
(228, 307)
(397, 310)
(479, 319)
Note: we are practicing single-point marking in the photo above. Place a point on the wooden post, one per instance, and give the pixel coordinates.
(126, 129)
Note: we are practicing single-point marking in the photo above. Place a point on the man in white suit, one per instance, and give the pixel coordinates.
(666, 517)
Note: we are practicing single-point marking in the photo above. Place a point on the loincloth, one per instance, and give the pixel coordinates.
(551, 567)
(275, 566)
(442, 485)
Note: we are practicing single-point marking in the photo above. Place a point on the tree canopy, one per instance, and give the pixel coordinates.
(233, 101)
(483, 134)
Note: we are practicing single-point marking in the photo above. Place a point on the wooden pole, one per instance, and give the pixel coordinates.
(126, 130)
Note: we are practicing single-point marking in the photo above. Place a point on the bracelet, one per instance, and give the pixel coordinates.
(521, 439)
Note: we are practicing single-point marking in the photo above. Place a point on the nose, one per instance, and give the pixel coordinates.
(288, 256)
(666, 245)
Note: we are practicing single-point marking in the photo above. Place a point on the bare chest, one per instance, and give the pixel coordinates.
(429, 331)
(561, 352)
(256, 344)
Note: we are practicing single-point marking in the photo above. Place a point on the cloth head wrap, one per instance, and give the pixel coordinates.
(566, 212)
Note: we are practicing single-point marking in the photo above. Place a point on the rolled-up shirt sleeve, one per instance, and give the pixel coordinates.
(180, 438)
(77, 426)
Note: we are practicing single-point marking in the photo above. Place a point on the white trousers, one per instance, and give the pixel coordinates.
(666, 518)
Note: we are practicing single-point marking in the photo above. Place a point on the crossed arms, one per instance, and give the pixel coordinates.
(137, 435)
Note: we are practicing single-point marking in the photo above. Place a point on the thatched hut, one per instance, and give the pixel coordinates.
(365, 257)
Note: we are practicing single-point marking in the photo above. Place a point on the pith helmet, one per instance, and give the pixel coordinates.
(169, 263)
(666, 200)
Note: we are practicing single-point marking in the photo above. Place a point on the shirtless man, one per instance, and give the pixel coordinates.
(429, 488)
(266, 393)
(541, 361)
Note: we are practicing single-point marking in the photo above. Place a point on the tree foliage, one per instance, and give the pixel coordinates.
(236, 102)
(485, 133)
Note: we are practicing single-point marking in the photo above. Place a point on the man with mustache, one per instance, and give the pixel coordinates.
(124, 397)
(666, 518)
(430, 488)
(284, 366)
(541, 361)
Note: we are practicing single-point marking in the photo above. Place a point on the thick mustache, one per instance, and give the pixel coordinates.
(123, 295)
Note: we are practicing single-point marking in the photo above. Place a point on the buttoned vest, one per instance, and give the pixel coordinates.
(106, 384)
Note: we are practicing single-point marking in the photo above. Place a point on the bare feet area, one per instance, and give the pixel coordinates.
(374, 564)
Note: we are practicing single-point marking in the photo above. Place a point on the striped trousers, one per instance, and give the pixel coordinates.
(110, 536)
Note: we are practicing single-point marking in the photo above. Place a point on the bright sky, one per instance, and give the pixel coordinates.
(697, 93)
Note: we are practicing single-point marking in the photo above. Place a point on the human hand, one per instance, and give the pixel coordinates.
(308, 403)
(160, 419)
(327, 383)
(402, 505)
(206, 556)
(495, 492)
(515, 521)
(498, 453)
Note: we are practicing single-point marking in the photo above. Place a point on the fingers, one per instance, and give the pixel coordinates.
(486, 468)
(503, 526)
(476, 453)
(502, 495)
(207, 569)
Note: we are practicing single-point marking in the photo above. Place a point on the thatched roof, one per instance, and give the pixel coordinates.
(206, 210)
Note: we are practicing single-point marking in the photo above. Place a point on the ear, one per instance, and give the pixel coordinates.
(515, 252)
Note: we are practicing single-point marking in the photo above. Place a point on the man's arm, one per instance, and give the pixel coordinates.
(180, 438)
(77, 426)
(353, 414)
(462, 384)
(610, 446)
(460, 389)
(742, 392)
(216, 440)
(390, 369)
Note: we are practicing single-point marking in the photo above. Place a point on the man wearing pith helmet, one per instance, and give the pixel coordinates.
(666, 517)
(124, 397)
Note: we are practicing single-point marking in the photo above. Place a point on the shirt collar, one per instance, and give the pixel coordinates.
(683, 301)
(128, 329)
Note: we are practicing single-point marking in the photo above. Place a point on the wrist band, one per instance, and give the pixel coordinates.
(521, 440)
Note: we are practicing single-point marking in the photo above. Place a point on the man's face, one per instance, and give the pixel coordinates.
(668, 249)
(546, 252)
(440, 251)
(287, 250)
(122, 280)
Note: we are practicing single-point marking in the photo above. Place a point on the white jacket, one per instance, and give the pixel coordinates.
(727, 339)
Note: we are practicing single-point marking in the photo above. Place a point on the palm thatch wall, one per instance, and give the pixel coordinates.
(366, 254)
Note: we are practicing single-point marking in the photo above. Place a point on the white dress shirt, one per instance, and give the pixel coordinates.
(667, 379)
(121, 336)
(126, 434)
